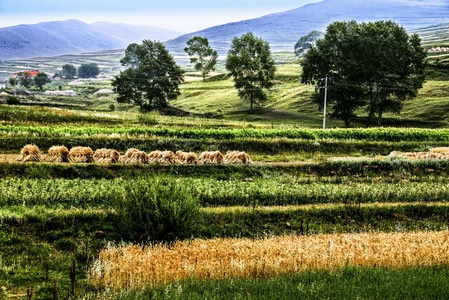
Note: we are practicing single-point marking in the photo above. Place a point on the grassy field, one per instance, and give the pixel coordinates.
(332, 196)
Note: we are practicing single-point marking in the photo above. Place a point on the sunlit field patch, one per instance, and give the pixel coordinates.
(129, 267)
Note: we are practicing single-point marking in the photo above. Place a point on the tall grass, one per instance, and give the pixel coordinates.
(130, 267)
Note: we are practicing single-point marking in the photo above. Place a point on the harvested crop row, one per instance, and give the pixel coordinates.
(131, 267)
(80, 154)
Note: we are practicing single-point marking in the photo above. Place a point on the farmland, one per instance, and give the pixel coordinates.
(282, 223)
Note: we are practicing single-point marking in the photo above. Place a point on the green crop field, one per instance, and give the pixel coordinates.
(376, 187)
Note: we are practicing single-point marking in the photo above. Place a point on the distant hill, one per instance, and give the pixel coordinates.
(71, 37)
(282, 30)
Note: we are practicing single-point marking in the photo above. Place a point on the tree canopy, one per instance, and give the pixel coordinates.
(202, 55)
(88, 70)
(373, 65)
(41, 79)
(152, 77)
(25, 79)
(250, 63)
(307, 41)
(68, 71)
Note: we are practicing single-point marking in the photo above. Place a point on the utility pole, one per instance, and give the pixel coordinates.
(325, 102)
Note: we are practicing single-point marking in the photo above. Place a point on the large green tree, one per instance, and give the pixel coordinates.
(373, 65)
(202, 55)
(152, 77)
(88, 70)
(25, 79)
(68, 71)
(41, 79)
(250, 63)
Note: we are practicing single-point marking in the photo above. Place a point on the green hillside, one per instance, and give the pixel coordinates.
(289, 100)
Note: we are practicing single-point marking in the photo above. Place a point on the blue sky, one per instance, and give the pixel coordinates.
(180, 15)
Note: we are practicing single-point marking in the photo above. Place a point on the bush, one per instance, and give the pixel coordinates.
(160, 210)
(148, 119)
(12, 100)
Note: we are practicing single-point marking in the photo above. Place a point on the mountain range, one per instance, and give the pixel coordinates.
(281, 30)
(72, 37)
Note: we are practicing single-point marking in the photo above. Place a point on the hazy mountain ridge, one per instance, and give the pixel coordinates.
(72, 36)
(281, 30)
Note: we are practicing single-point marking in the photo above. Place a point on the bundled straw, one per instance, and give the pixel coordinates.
(161, 157)
(211, 157)
(29, 153)
(186, 157)
(237, 157)
(133, 156)
(107, 156)
(81, 155)
(57, 154)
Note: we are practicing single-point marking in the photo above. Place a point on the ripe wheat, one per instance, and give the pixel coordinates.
(126, 267)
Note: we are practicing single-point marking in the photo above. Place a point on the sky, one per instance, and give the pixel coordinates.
(178, 15)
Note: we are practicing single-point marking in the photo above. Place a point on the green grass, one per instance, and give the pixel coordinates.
(342, 283)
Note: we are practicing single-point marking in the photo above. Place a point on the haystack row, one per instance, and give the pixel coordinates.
(80, 154)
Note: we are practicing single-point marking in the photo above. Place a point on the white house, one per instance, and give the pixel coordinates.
(3, 83)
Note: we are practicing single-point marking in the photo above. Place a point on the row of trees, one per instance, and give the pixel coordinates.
(152, 77)
(371, 66)
(69, 71)
(26, 80)
(375, 66)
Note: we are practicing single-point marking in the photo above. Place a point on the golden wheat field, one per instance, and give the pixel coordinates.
(127, 267)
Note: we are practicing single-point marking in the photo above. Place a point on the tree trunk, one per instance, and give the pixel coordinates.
(251, 101)
(379, 118)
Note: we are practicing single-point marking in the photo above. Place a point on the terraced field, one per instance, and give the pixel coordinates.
(61, 221)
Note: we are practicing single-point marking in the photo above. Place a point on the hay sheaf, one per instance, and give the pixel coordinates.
(186, 157)
(161, 157)
(107, 156)
(237, 157)
(211, 157)
(139, 157)
(29, 152)
(80, 154)
(57, 154)
(134, 156)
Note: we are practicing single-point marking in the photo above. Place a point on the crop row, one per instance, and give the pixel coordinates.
(83, 193)
(336, 171)
(365, 134)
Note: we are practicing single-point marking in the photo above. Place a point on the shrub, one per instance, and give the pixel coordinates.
(160, 210)
(148, 119)
(12, 100)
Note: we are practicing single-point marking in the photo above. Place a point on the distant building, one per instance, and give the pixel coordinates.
(3, 82)
(33, 73)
